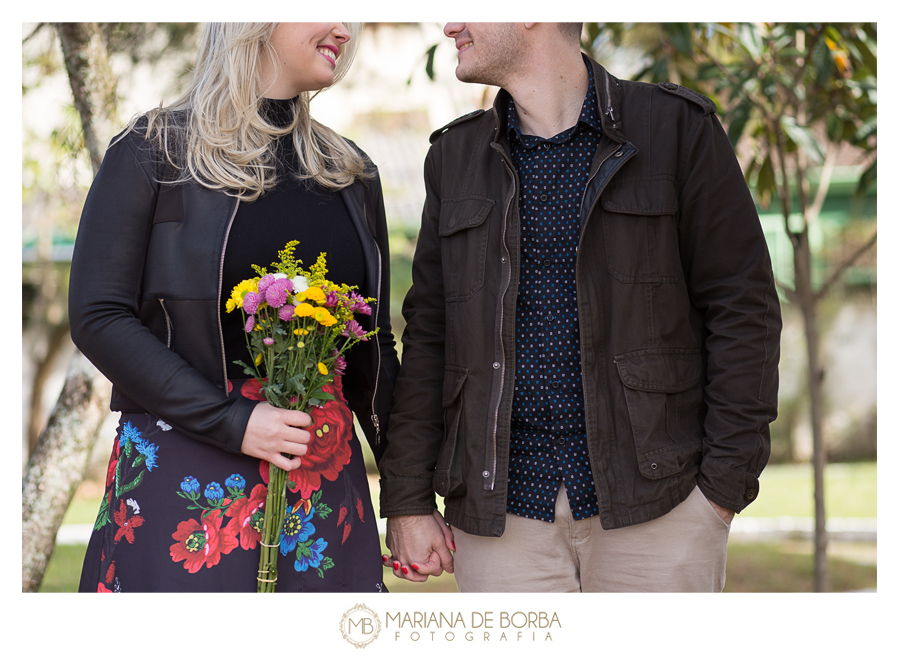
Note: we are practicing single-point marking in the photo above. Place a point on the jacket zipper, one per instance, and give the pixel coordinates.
(237, 203)
(168, 324)
(377, 350)
(509, 201)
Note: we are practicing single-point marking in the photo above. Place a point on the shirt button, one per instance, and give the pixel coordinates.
(554, 383)
(560, 442)
(546, 262)
(546, 145)
(543, 197)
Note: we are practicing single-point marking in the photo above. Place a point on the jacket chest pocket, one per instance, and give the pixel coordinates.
(640, 230)
(463, 228)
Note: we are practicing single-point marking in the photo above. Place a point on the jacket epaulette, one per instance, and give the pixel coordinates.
(440, 131)
(708, 106)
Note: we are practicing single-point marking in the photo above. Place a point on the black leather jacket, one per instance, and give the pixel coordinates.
(145, 298)
(679, 318)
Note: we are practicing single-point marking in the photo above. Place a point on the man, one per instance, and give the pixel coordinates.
(590, 358)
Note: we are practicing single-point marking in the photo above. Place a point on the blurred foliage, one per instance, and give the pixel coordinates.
(796, 85)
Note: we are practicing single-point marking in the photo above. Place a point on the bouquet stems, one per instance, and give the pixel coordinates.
(270, 541)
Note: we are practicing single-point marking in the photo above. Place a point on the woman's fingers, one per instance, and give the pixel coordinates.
(275, 435)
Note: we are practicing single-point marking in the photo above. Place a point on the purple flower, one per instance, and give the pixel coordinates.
(358, 304)
(286, 312)
(251, 321)
(252, 301)
(277, 292)
(339, 366)
(265, 282)
(268, 340)
(353, 327)
(331, 299)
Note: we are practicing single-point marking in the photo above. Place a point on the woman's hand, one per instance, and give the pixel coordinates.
(272, 431)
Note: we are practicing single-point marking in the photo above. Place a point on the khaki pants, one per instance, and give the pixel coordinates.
(683, 551)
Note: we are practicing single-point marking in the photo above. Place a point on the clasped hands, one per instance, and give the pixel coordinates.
(420, 546)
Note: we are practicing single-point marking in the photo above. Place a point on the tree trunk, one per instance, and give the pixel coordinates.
(62, 454)
(58, 465)
(815, 374)
(93, 83)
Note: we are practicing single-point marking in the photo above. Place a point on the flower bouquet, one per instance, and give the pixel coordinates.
(298, 326)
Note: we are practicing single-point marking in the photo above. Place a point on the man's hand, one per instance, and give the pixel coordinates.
(419, 546)
(726, 514)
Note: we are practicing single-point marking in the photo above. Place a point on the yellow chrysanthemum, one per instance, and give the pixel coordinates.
(323, 317)
(322, 368)
(304, 310)
(258, 359)
(241, 289)
(230, 305)
(315, 294)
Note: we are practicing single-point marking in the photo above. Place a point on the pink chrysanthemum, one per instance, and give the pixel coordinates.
(331, 299)
(251, 322)
(286, 312)
(358, 305)
(277, 292)
(265, 282)
(268, 340)
(339, 365)
(353, 327)
(251, 302)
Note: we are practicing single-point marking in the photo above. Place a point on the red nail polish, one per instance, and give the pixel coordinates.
(396, 565)
(415, 566)
(384, 558)
(454, 545)
(405, 570)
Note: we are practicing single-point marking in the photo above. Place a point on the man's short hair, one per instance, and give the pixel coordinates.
(571, 31)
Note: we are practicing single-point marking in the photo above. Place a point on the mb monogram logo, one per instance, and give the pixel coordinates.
(360, 626)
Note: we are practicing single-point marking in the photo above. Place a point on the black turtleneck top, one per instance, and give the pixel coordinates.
(292, 210)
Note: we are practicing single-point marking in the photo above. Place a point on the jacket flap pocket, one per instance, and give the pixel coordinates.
(641, 196)
(454, 378)
(462, 213)
(660, 370)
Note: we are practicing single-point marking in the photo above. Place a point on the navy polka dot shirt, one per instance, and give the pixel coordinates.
(548, 435)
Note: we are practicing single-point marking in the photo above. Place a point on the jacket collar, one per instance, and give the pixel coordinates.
(609, 97)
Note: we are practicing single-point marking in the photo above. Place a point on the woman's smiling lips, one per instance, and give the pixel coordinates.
(327, 52)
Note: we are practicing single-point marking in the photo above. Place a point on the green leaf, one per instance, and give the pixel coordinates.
(868, 178)
(323, 510)
(804, 138)
(429, 62)
(765, 181)
(131, 485)
(303, 549)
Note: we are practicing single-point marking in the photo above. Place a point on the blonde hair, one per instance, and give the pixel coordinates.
(214, 134)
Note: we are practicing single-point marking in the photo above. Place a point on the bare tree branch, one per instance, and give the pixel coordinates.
(836, 275)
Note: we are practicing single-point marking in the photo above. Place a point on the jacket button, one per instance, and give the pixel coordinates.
(669, 85)
(653, 466)
(496, 365)
(749, 495)
(502, 259)
(485, 474)
(618, 154)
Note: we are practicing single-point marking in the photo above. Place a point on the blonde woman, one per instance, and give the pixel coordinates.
(187, 198)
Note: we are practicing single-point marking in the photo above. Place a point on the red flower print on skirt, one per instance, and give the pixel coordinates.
(202, 543)
(127, 523)
(329, 448)
(247, 517)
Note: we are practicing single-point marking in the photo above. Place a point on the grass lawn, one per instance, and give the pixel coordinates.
(783, 566)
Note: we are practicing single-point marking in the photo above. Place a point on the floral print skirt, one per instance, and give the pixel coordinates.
(180, 515)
